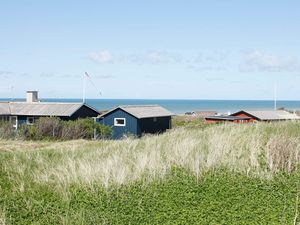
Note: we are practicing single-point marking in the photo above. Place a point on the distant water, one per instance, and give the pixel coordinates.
(181, 106)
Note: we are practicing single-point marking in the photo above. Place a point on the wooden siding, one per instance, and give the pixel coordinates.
(135, 126)
(119, 131)
(213, 121)
(154, 124)
(243, 114)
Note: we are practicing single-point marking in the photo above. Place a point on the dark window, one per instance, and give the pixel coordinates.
(30, 120)
(121, 122)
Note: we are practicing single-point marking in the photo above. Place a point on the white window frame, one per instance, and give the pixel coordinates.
(27, 120)
(14, 121)
(119, 125)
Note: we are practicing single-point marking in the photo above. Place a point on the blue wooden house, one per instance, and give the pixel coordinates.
(137, 120)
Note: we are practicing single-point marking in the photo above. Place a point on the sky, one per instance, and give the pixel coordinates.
(156, 49)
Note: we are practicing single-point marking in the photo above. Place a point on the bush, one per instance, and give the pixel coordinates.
(51, 128)
(189, 122)
(7, 131)
(29, 132)
(77, 130)
(86, 129)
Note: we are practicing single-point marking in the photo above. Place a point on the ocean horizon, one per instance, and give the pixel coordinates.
(182, 105)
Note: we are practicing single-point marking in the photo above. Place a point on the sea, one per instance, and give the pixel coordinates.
(183, 106)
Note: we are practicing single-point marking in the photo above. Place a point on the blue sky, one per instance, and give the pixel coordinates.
(151, 49)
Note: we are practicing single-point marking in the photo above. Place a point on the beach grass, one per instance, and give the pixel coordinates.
(228, 173)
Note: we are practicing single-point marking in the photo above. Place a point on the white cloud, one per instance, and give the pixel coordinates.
(150, 57)
(154, 57)
(104, 56)
(157, 57)
(5, 74)
(261, 61)
(208, 68)
(47, 75)
(212, 57)
(104, 76)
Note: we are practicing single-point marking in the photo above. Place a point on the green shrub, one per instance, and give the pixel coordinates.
(189, 122)
(103, 131)
(52, 128)
(7, 131)
(29, 132)
(49, 127)
(84, 128)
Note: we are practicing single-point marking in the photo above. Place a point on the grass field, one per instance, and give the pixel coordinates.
(227, 174)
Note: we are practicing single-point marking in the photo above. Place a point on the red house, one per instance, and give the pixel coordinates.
(266, 115)
(222, 119)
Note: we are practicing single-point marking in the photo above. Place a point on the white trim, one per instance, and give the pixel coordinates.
(27, 120)
(15, 122)
(119, 125)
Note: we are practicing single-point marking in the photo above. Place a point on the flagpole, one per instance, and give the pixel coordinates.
(83, 89)
(86, 75)
(275, 96)
(12, 92)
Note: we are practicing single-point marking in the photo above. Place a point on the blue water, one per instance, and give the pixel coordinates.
(181, 106)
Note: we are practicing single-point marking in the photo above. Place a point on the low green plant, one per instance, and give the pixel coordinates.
(219, 197)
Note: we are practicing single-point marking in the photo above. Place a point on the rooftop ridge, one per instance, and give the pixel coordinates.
(52, 103)
(137, 106)
(265, 110)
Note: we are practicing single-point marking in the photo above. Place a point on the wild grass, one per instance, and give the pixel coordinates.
(189, 121)
(2, 217)
(141, 180)
(260, 150)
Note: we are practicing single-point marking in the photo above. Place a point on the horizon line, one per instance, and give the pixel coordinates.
(172, 99)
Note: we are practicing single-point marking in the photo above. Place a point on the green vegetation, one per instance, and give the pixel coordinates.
(219, 198)
(225, 174)
(189, 122)
(52, 128)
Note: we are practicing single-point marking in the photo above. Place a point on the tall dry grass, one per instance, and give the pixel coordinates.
(2, 217)
(257, 149)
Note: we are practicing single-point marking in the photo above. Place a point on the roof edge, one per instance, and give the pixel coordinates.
(86, 105)
(124, 109)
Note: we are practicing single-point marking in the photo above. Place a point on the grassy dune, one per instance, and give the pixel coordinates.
(224, 174)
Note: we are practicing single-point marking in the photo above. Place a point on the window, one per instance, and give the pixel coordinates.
(120, 122)
(30, 120)
(154, 119)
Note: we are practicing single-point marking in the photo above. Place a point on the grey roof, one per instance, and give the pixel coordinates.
(204, 114)
(230, 118)
(4, 108)
(39, 108)
(143, 111)
(271, 114)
